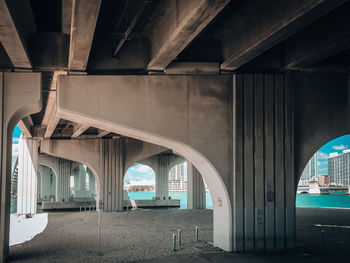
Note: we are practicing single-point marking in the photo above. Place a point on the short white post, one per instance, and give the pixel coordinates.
(179, 237)
(197, 233)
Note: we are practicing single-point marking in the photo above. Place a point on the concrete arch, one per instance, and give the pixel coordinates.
(55, 174)
(49, 161)
(84, 152)
(183, 98)
(21, 97)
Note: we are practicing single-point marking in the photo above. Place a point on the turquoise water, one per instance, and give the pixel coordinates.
(341, 201)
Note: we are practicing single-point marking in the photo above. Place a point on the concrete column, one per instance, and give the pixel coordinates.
(53, 186)
(92, 183)
(45, 183)
(195, 188)
(264, 187)
(27, 176)
(162, 177)
(63, 181)
(39, 186)
(82, 178)
(20, 95)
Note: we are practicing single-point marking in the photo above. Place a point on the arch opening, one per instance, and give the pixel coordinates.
(323, 197)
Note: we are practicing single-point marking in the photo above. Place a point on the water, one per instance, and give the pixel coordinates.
(174, 195)
(336, 200)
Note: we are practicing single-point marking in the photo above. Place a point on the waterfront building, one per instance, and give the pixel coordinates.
(323, 180)
(310, 172)
(177, 178)
(339, 168)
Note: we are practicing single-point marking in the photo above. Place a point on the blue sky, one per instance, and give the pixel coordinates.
(144, 174)
(338, 145)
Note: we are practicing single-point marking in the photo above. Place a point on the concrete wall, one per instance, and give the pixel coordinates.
(20, 96)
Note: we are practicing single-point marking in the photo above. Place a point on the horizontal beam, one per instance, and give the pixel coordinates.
(16, 23)
(324, 38)
(183, 68)
(251, 31)
(78, 130)
(51, 126)
(102, 133)
(168, 37)
(84, 18)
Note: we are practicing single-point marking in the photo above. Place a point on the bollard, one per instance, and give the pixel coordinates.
(85, 207)
(323, 233)
(80, 208)
(174, 242)
(179, 237)
(89, 208)
(197, 233)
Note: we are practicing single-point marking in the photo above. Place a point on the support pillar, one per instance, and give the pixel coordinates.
(162, 177)
(45, 183)
(92, 183)
(27, 176)
(112, 163)
(264, 187)
(20, 95)
(63, 181)
(195, 188)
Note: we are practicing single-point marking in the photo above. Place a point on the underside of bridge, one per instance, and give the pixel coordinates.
(245, 90)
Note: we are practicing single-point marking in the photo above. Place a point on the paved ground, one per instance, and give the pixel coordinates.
(146, 236)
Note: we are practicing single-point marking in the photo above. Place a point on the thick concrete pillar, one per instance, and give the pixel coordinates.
(53, 186)
(27, 176)
(82, 178)
(92, 183)
(39, 185)
(45, 183)
(20, 95)
(264, 187)
(63, 181)
(162, 177)
(195, 188)
(112, 168)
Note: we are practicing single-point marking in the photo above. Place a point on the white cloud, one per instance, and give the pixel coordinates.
(340, 147)
(322, 155)
(15, 140)
(144, 169)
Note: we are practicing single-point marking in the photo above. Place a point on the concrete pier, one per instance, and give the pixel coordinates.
(196, 198)
(63, 180)
(27, 176)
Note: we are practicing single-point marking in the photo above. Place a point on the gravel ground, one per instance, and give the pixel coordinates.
(146, 236)
(125, 237)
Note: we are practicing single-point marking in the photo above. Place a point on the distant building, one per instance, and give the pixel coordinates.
(323, 180)
(177, 178)
(339, 168)
(310, 172)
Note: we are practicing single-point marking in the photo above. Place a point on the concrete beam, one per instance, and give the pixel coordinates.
(324, 38)
(184, 68)
(102, 133)
(50, 119)
(168, 37)
(25, 125)
(78, 130)
(243, 38)
(16, 23)
(66, 17)
(84, 18)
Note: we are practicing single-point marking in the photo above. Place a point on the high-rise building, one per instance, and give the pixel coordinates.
(310, 172)
(339, 168)
(323, 180)
(177, 178)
